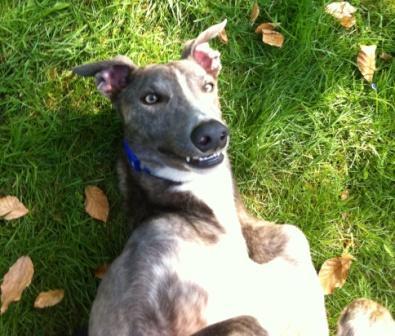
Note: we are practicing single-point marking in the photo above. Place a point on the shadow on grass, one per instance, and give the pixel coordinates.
(49, 155)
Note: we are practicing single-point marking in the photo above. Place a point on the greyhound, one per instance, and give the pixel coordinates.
(196, 263)
(186, 269)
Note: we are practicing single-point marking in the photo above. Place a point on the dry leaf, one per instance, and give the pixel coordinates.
(269, 35)
(344, 194)
(265, 25)
(254, 12)
(343, 12)
(333, 273)
(366, 61)
(272, 38)
(96, 203)
(223, 37)
(348, 21)
(49, 298)
(101, 271)
(385, 56)
(11, 208)
(18, 277)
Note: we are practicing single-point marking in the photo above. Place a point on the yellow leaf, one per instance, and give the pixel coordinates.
(345, 194)
(223, 37)
(348, 21)
(366, 61)
(49, 298)
(254, 12)
(18, 277)
(101, 271)
(334, 272)
(272, 38)
(11, 208)
(265, 25)
(96, 203)
(343, 12)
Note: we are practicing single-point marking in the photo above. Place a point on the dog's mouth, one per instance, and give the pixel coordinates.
(202, 161)
(205, 161)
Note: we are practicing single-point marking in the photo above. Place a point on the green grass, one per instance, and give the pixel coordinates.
(305, 127)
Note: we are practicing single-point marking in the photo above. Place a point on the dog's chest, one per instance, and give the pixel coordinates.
(214, 270)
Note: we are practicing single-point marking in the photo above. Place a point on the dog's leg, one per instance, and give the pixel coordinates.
(237, 326)
(267, 240)
(365, 317)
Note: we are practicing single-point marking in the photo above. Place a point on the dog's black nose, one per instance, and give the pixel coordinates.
(210, 136)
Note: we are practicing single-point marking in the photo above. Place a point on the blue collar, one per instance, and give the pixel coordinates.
(133, 160)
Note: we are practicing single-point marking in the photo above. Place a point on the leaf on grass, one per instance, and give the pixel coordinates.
(49, 298)
(223, 37)
(345, 194)
(334, 272)
(101, 271)
(11, 208)
(269, 35)
(254, 12)
(343, 12)
(266, 25)
(273, 38)
(366, 61)
(18, 277)
(96, 203)
(386, 56)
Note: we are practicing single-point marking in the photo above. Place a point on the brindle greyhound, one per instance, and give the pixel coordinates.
(186, 269)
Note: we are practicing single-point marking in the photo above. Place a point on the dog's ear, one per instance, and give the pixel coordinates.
(111, 76)
(200, 51)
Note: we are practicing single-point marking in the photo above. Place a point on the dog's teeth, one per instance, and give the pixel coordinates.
(189, 159)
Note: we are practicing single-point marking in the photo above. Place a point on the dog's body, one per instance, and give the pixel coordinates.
(186, 269)
(183, 270)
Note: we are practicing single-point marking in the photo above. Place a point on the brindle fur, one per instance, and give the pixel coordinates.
(186, 269)
(364, 317)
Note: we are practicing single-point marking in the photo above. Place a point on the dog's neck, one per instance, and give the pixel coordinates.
(174, 189)
(215, 189)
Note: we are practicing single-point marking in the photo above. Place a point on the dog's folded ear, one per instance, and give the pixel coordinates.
(111, 76)
(199, 50)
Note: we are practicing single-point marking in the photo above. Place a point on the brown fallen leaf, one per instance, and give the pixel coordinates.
(223, 37)
(49, 298)
(273, 38)
(265, 25)
(96, 203)
(334, 272)
(101, 271)
(269, 35)
(343, 11)
(11, 208)
(366, 61)
(254, 12)
(386, 56)
(348, 21)
(18, 277)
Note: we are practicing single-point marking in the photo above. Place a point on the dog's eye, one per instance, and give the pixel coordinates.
(208, 87)
(150, 98)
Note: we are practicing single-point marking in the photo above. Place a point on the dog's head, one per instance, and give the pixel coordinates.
(171, 112)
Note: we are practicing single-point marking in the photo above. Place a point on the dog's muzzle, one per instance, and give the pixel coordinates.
(210, 137)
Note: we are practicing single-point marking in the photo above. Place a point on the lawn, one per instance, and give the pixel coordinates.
(305, 127)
